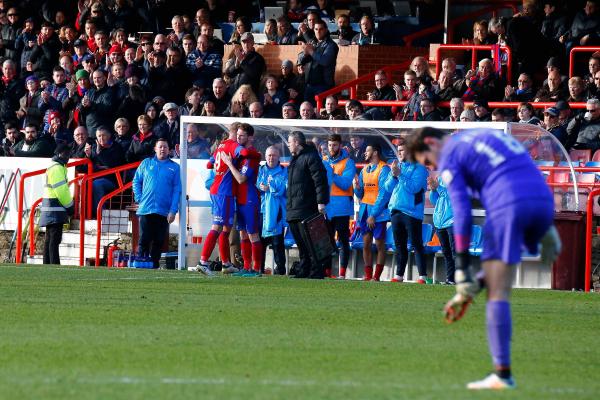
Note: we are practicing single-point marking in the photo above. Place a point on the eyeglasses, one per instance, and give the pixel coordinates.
(146, 44)
(594, 110)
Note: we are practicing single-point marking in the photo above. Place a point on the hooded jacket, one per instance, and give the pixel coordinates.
(408, 190)
(443, 217)
(340, 174)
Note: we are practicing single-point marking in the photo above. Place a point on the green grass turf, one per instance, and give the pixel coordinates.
(69, 333)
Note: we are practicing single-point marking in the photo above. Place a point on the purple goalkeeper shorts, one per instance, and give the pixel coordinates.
(510, 229)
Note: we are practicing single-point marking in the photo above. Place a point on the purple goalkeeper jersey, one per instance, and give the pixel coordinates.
(490, 165)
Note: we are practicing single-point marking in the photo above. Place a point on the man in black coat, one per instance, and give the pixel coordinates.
(246, 65)
(11, 90)
(98, 105)
(383, 91)
(307, 195)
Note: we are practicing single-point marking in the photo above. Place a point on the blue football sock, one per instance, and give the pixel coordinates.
(499, 329)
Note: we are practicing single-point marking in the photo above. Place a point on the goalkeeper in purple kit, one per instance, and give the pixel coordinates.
(495, 168)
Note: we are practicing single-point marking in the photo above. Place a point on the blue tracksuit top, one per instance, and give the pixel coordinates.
(379, 210)
(340, 205)
(408, 189)
(157, 187)
(443, 217)
(272, 204)
(490, 165)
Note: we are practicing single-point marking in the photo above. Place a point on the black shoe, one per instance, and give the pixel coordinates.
(280, 271)
(301, 274)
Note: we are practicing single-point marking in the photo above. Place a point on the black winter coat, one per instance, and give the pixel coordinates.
(307, 185)
(101, 110)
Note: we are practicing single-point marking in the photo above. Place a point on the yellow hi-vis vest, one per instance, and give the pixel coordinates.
(371, 183)
(57, 197)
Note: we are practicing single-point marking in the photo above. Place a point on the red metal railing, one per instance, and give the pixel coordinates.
(446, 104)
(409, 39)
(19, 247)
(99, 220)
(11, 183)
(473, 48)
(32, 219)
(120, 188)
(581, 49)
(353, 84)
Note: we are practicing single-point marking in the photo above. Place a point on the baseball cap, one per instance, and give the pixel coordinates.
(287, 64)
(169, 106)
(88, 57)
(79, 43)
(480, 103)
(31, 78)
(552, 111)
(562, 105)
(247, 36)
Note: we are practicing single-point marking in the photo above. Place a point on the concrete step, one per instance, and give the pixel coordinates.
(39, 260)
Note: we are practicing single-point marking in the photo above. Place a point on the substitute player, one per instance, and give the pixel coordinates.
(341, 171)
(519, 208)
(373, 213)
(247, 200)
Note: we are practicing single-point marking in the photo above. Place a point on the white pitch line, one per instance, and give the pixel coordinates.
(132, 380)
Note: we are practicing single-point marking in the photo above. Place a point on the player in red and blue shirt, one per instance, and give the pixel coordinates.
(248, 200)
(222, 196)
(496, 168)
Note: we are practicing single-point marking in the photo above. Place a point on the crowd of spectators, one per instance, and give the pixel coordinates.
(72, 69)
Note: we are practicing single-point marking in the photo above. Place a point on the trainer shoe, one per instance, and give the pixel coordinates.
(397, 278)
(229, 269)
(240, 272)
(251, 274)
(204, 269)
(492, 382)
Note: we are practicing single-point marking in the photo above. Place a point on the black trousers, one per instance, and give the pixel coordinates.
(446, 236)
(51, 243)
(341, 225)
(406, 227)
(153, 230)
(278, 247)
(307, 267)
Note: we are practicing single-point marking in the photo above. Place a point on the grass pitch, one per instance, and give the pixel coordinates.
(69, 333)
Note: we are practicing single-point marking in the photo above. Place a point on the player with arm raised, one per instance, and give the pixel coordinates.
(519, 209)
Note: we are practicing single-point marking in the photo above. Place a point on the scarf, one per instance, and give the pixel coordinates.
(475, 82)
(6, 80)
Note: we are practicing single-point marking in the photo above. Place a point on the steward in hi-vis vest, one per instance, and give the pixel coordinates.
(57, 203)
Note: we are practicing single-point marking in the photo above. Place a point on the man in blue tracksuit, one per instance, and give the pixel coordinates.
(407, 183)
(340, 174)
(272, 183)
(373, 213)
(443, 218)
(156, 188)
